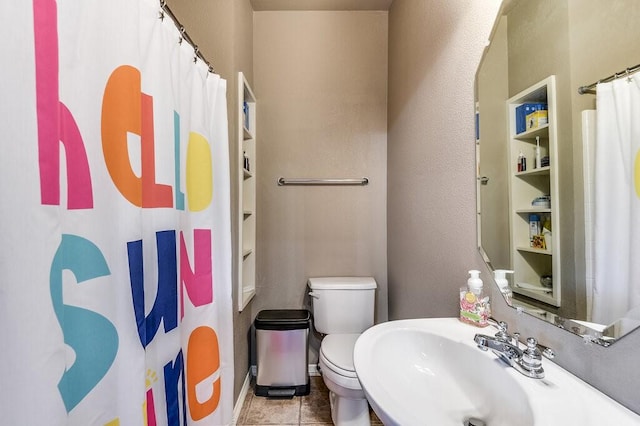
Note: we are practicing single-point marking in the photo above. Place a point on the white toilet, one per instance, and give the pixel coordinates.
(343, 308)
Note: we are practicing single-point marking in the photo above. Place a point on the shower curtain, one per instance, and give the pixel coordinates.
(115, 263)
(588, 165)
(616, 239)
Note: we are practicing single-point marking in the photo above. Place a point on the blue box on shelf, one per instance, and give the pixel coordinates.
(523, 110)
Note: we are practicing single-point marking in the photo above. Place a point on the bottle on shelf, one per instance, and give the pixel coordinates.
(522, 162)
(246, 161)
(245, 111)
(534, 228)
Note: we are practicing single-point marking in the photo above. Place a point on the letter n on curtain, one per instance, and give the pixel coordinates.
(115, 263)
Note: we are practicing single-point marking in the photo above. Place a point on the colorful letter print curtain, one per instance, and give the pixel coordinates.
(115, 265)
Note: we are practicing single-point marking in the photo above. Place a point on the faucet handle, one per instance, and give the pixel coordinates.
(532, 345)
(532, 357)
(502, 333)
(547, 351)
(531, 361)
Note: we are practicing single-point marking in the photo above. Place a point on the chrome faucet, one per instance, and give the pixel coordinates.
(505, 346)
(503, 334)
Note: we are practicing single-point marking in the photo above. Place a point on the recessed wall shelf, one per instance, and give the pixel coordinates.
(247, 192)
(529, 260)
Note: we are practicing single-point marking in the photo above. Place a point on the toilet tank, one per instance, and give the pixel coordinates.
(342, 304)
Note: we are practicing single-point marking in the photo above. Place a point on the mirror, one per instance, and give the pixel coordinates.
(540, 53)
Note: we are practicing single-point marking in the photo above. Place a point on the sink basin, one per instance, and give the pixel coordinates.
(429, 371)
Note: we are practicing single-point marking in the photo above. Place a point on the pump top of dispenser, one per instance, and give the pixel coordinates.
(474, 282)
(500, 276)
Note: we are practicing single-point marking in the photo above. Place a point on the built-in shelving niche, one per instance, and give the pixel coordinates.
(247, 192)
(530, 263)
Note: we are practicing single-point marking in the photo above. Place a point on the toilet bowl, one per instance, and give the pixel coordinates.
(343, 308)
(349, 406)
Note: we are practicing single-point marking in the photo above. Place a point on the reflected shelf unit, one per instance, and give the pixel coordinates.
(531, 263)
(246, 192)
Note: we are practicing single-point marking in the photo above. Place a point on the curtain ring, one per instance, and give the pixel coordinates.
(181, 35)
(163, 4)
(195, 54)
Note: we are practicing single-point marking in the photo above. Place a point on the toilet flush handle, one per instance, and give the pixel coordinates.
(314, 295)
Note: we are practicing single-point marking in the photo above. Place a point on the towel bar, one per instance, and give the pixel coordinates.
(282, 181)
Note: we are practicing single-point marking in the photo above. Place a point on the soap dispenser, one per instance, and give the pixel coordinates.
(500, 276)
(474, 304)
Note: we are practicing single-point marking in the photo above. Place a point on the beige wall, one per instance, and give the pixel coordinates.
(492, 90)
(223, 30)
(321, 84)
(434, 50)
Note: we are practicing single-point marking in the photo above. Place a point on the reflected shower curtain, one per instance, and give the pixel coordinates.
(617, 200)
(115, 263)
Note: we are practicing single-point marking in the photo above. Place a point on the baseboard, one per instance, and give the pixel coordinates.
(314, 370)
(243, 394)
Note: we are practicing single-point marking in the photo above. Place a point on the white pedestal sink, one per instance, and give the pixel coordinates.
(430, 372)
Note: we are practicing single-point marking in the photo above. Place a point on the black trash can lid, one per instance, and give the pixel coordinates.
(282, 319)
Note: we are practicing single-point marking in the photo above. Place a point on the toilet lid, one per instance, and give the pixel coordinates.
(337, 350)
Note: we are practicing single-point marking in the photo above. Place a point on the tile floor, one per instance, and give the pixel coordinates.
(312, 409)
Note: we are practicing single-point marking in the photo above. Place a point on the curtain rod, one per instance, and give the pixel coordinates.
(590, 87)
(164, 8)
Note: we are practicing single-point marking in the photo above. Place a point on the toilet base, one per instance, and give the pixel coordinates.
(349, 412)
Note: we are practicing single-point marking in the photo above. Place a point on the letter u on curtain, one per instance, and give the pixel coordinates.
(617, 200)
(115, 267)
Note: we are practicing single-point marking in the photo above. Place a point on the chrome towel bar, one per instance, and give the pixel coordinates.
(283, 181)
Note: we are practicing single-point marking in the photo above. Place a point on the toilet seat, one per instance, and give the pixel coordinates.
(336, 359)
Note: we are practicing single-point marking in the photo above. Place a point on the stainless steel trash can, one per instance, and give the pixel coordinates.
(282, 341)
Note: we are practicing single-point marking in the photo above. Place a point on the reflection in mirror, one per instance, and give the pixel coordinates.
(541, 52)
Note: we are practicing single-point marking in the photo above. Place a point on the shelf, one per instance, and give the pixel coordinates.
(247, 295)
(246, 151)
(531, 134)
(246, 133)
(539, 288)
(535, 172)
(548, 298)
(533, 210)
(534, 250)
